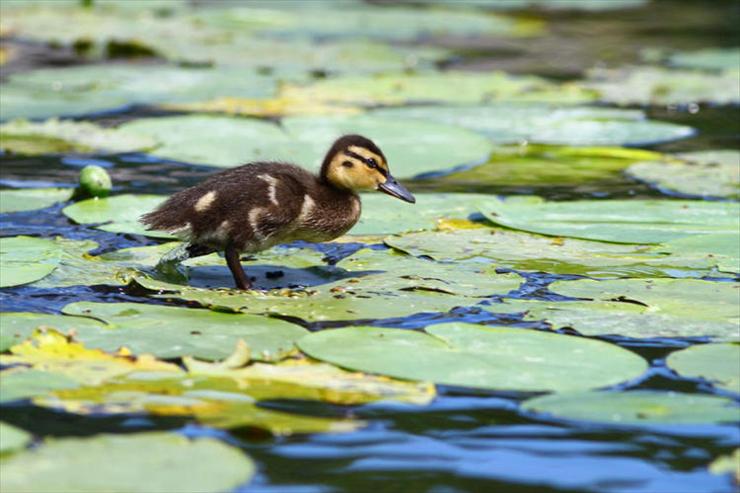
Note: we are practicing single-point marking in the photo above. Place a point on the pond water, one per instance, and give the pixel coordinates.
(465, 439)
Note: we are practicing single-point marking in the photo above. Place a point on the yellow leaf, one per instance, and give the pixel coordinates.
(264, 107)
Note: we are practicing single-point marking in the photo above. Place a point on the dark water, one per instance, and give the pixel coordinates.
(466, 440)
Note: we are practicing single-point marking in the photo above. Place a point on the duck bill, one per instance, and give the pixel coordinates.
(395, 189)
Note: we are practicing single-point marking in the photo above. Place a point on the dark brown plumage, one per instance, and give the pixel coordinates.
(258, 205)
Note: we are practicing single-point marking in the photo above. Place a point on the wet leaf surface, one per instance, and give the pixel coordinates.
(12, 438)
(24, 259)
(475, 356)
(618, 221)
(716, 363)
(163, 462)
(29, 199)
(636, 407)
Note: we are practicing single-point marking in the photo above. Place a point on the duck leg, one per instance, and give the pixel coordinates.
(232, 260)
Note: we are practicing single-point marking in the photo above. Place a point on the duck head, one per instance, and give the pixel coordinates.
(356, 163)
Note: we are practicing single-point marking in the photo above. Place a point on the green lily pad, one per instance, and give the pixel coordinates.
(164, 462)
(24, 259)
(376, 284)
(19, 326)
(381, 216)
(636, 407)
(12, 438)
(600, 318)
(444, 87)
(511, 123)
(709, 307)
(529, 252)
(412, 147)
(707, 59)
(475, 356)
(721, 250)
(118, 214)
(80, 90)
(171, 332)
(702, 174)
(654, 85)
(21, 383)
(29, 199)
(545, 166)
(67, 137)
(714, 362)
(387, 23)
(587, 5)
(617, 221)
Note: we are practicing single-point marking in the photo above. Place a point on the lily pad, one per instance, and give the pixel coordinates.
(164, 462)
(171, 332)
(51, 351)
(444, 87)
(587, 5)
(19, 326)
(81, 90)
(654, 85)
(727, 464)
(24, 259)
(600, 318)
(22, 383)
(721, 250)
(529, 252)
(12, 438)
(546, 166)
(412, 147)
(275, 107)
(381, 217)
(701, 174)
(395, 23)
(636, 407)
(377, 284)
(511, 123)
(709, 307)
(475, 356)
(29, 199)
(717, 363)
(617, 221)
(215, 402)
(67, 137)
(707, 59)
(117, 214)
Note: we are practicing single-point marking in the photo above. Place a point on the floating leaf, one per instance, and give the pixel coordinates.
(12, 438)
(618, 221)
(19, 326)
(213, 401)
(707, 59)
(529, 252)
(276, 107)
(587, 5)
(80, 90)
(654, 85)
(163, 462)
(546, 166)
(24, 259)
(412, 147)
(376, 285)
(702, 174)
(171, 332)
(446, 87)
(727, 464)
(709, 308)
(475, 356)
(721, 250)
(512, 123)
(600, 318)
(52, 352)
(636, 407)
(117, 214)
(29, 199)
(67, 137)
(714, 362)
(22, 383)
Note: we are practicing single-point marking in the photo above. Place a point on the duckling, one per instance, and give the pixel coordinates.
(258, 205)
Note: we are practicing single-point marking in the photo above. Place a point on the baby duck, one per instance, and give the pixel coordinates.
(258, 205)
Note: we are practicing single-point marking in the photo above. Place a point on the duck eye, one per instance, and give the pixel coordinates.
(347, 164)
(372, 163)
